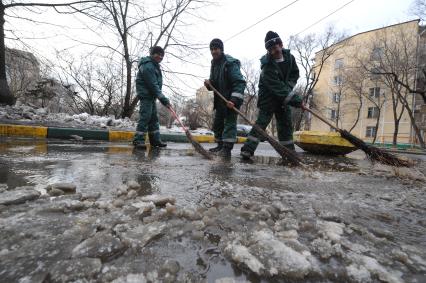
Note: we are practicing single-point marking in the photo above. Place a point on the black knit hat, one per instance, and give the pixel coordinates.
(156, 50)
(216, 43)
(271, 39)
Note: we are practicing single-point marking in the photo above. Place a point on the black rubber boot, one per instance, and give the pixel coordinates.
(139, 145)
(245, 153)
(217, 148)
(155, 141)
(291, 147)
(159, 144)
(226, 150)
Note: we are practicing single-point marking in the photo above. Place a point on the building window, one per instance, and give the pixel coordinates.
(375, 92)
(374, 74)
(338, 80)
(338, 64)
(336, 97)
(373, 112)
(376, 54)
(333, 114)
(370, 132)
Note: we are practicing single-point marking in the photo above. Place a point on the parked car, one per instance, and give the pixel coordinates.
(243, 130)
(204, 132)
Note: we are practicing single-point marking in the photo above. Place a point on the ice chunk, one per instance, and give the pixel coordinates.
(131, 278)
(143, 234)
(358, 273)
(375, 268)
(331, 230)
(159, 200)
(18, 196)
(279, 258)
(241, 254)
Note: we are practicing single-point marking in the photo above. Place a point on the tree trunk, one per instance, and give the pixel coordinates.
(395, 133)
(5, 94)
(377, 127)
(358, 114)
(413, 123)
(127, 109)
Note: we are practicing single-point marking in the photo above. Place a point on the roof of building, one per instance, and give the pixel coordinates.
(376, 29)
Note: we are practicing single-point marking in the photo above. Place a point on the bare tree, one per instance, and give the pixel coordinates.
(395, 62)
(68, 7)
(418, 8)
(138, 28)
(312, 53)
(251, 75)
(355, 79)
(192, 114)
(96, 81)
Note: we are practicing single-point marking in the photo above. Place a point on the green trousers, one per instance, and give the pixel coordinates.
(225, 124)
(148, 121)
(284, 128)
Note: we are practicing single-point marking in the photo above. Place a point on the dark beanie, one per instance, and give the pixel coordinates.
(216, 43)
(271, 39)
(157, 50)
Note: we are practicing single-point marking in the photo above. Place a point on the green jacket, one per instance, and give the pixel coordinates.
(149, 79)
(226, 77)
(275, 86)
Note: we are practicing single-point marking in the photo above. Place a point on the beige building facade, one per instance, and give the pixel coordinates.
(351, 93)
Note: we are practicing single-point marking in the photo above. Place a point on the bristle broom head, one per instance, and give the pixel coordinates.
(373, 153)
(198, 146)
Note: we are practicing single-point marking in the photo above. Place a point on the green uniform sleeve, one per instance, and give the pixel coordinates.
(237, 81)
(293, 99)
(148, 74)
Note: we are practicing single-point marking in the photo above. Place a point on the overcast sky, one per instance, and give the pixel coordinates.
(232, 16)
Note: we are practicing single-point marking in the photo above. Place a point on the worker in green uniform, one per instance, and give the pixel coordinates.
(226, 77)
(279, 74)
(149, 82)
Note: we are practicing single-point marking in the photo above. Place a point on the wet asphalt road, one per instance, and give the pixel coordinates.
(341, 217)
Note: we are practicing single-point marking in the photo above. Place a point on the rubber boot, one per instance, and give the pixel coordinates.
(217, 148)
(246, 153)
(226, 150)
(155, 141)
(291, 147)
(139, 145)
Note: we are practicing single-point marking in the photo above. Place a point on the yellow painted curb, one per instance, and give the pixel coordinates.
(23, 131)
(323, 138)
(201, 139)
(121, 136)
(241, 139)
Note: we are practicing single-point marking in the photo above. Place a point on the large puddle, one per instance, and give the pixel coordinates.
(171, 216)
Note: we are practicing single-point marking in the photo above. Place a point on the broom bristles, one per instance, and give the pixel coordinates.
(282, 150)
(198, 146)
(373, 153)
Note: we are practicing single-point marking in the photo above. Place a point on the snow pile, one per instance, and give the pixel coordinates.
(22, 112)
(266, 255)
(364, 266)
(27, 113)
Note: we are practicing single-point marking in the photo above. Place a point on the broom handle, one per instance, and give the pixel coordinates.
(177, 118)
(321, 118)
(233, 108)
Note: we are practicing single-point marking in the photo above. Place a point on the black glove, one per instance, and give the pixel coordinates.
(164, 100)
(295, 101)
(237, 101)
